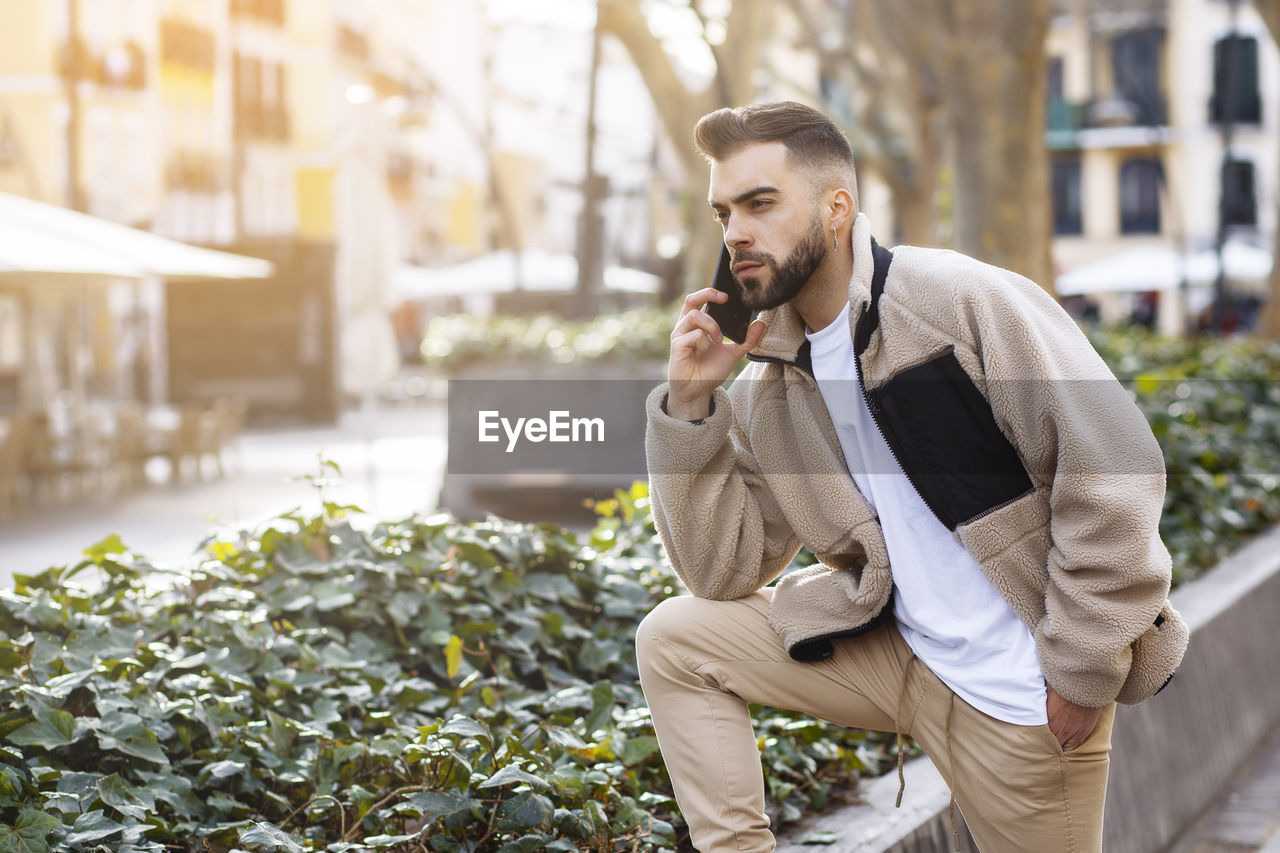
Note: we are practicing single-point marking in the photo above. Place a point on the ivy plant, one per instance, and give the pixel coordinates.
(420, 685)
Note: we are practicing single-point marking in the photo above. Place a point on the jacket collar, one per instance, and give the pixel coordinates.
(785, 341)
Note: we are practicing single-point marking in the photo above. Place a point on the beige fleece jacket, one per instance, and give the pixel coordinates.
(1078, 557)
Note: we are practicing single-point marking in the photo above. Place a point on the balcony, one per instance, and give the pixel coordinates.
(183, 43)
(267, 11)
(1062, 121)
(1104, 122)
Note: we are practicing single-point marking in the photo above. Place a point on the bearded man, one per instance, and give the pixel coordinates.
(981, 494)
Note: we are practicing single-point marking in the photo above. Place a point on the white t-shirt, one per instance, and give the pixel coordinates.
(948, 611)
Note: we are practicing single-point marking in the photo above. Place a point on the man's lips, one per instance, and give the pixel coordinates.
(746, 268)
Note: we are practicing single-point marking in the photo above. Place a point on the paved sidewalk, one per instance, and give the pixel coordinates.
(1246, 816)
(392, 467)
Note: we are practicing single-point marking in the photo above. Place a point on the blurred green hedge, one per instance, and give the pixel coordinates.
(1214, 406)
(458, 341)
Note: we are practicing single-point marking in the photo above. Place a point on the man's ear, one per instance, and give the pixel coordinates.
(840, 207)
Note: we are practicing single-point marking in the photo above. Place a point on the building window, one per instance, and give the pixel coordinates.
(187, 44)
(1053, 77)
(1239, 202)
(1140, 197)
(1235, 68)
(1067, 215)
(271, 11)
(261, 107)
(1135, 68)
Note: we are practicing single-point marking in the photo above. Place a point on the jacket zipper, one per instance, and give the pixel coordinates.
(998, 506)
(769, 359)
(874, 409)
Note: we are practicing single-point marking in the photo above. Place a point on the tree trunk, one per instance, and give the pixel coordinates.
(917, 210)
(1269, 324)
(995, 100)
(679, 108)
(889, 64)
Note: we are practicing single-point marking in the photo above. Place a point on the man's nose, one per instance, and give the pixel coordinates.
(735, 236)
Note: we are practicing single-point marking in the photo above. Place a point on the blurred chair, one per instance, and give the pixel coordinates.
(52, 461)
(13, 441)
(93, 449)
(196, 437)
(232, 415)
(130, 453)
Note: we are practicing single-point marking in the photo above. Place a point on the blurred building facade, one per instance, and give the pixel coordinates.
(1139, 93)
(226, 123)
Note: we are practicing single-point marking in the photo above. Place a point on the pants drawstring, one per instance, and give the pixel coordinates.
(955, 776)
(900, 738)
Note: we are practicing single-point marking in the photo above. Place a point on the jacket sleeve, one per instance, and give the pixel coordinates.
(1083, 438)
(718, 520)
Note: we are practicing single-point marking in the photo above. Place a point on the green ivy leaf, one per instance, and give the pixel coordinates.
(93, 826)
(122, 797)
(222, 770)
(331, 595)
(527, 844)
(28, 834)
(601, 707)
(524, 811)
(466, 727)
(126, 733)
(476, 554)
(637, 749)
(12, 786)
(561, 846)
(430, 806)
(512, 775)
(381, 842)
(11, 657)
(453, 655)
(269, 838)
(111, 546)
(50, 730)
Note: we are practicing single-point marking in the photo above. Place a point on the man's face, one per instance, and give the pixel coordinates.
(771, 222)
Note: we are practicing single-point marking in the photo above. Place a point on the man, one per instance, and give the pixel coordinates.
(982, 496)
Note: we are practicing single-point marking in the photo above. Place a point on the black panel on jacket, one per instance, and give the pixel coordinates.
(944, 435)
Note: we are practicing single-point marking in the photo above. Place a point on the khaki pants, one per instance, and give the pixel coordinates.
(702, 661)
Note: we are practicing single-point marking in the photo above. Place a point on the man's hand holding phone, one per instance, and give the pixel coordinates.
(701, 358)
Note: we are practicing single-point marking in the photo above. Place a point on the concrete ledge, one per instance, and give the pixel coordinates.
(1170, 755)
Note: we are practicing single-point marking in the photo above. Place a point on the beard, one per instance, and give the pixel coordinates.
(788, 277)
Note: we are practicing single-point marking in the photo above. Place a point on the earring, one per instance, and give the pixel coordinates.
(835, 239)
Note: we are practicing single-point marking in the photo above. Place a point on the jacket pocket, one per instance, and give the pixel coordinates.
(1157, 654)
(946, 439)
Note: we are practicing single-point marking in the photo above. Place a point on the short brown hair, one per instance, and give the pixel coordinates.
(813, 141)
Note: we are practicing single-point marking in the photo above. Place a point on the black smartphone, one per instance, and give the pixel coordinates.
(732, 315)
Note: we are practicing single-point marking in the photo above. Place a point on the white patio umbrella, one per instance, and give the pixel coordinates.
(26, 250)
(1159, 268)
(540, 270)
(36, 237)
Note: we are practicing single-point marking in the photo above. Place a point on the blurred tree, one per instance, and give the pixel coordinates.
(994, 90)
(1269, 325)
(922, 89)
(679, 106)
(946, 86)
(879, 77)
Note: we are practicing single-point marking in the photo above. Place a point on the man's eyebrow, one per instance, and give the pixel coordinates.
(746, 196)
